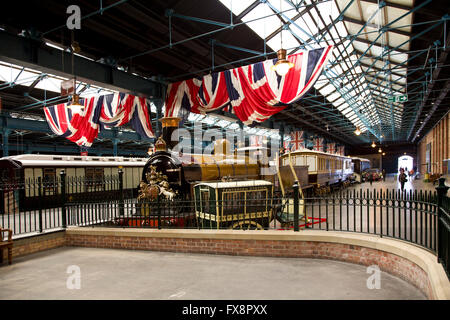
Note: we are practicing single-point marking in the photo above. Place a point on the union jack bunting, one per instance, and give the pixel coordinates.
(256, 141)
(297, 140)
(286, 144)
(318, 144)
(109, 110)
(331, 148)
(341, 150)
(255, 92)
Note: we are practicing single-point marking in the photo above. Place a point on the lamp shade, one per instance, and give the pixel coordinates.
(75, 106)
(283, 65)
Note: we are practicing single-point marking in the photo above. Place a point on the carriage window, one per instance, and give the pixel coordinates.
(49, 181)
(232, 201)
(3, 174)
(204, 200)
(311, 162)
(252, 200)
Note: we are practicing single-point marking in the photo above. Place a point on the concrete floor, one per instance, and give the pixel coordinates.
(126, 274)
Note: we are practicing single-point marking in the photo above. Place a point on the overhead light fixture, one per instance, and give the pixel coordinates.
(357, 131)
(75, 47)
(373, 144)
(380, 151)
(384, 153)
(75, 106)
(283, 65)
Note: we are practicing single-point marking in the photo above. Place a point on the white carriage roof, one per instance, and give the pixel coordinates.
(236, 184)
(36, 160)
(361, 159)
(316, 152)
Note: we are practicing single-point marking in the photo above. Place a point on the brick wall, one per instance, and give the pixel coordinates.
(387, 262)
(36, 243)
(439, 138)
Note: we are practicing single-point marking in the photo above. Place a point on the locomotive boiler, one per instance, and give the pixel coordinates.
(183, 171)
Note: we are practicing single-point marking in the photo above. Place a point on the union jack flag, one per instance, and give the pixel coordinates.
(255, 92)
(341, 150)
(318, 144)
(286, 144)
(101, 111)
(297, 141)
(331, 148)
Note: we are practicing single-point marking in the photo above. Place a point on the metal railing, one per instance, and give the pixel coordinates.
(38, 205)
(443, 226)
(406, 216)
(421, 218)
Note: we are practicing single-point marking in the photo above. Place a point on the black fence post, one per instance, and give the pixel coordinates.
(121, 202)
(295, 188)
(158, 210)
(40, 202)
(63, 197)
(441, 193)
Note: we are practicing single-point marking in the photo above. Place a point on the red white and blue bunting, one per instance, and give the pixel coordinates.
(318, 144)
(298, 143)
(255, 92)
(341, 150)
(331, 148)
(101, 111)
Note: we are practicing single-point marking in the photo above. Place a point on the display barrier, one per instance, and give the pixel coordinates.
(38, 205)
(421, 218)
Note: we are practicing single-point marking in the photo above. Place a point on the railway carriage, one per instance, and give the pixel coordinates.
(360, 165)
(324, 169)
(24, 174)
(234, 205)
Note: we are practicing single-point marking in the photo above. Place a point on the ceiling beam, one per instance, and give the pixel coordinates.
(35, 54)
(355, 21)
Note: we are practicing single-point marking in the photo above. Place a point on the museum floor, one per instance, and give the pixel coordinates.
(127, 274)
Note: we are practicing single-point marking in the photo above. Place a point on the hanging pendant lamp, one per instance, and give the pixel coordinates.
(283, 65)
(75, 106)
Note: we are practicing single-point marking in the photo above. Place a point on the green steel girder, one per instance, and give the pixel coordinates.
(29, 53)
(345, 95)
(10, 123)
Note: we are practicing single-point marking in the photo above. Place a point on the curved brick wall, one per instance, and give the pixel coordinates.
(395, 257)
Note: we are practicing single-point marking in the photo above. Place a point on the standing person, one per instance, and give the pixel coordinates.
(370, 177)
(384, 175)
(402, 178)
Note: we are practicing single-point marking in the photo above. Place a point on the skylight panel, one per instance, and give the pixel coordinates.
(263, 27)
(306, 23)
(237, 6)
(209, 120)
(333, 96)
(338, 101)
(233, 126)
(327, 90)
(289, 42)
(222, 123)
(287, 9)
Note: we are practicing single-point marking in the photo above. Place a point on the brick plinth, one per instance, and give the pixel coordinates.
(388, 262)
(36, 243)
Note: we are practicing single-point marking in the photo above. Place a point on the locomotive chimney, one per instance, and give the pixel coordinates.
(169, 125)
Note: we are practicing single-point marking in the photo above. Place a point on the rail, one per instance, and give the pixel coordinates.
(421, 218)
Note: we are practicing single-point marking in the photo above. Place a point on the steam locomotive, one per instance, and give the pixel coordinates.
(313, 170)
